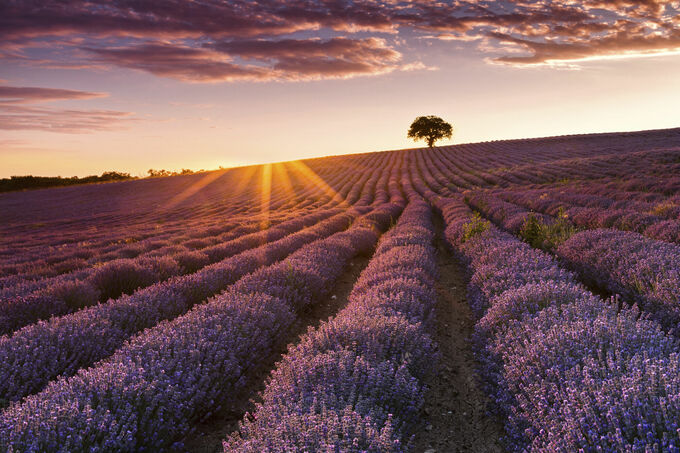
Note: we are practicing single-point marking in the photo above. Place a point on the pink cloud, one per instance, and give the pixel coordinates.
(20, 95)
(297, 39)
(178, 62)
(287, 59)
(15, 114)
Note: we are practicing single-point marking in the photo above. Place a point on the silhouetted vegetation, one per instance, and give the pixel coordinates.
(429, 128)
(40, 182)
(162, 173)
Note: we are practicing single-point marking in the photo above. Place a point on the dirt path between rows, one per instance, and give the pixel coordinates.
(208, 436)
(456, 418)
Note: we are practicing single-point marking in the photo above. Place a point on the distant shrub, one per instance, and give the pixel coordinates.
(547, 235)
(474, 227)
(531, 231)
(164, 173)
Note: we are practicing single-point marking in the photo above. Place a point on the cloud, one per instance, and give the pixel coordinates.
(547, 33)
(233, 40)
(617, 45)
(179, 62)
(20, 109)
(20, 95)
(296, 59)
(258, 60)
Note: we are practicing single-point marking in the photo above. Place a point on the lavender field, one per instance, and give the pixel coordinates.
(519, 295)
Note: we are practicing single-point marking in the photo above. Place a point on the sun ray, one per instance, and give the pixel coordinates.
(245, 176)
(281, 174)
(206, 180)
(265, 195)
(309, 175)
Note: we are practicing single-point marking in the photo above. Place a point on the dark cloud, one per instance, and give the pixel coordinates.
(225, 40)
(20, 109)
(370, 49)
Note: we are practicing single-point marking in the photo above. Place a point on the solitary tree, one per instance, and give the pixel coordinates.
(430, 128)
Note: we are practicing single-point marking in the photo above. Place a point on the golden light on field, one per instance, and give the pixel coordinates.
(206, 179)
(265, 195)
(309, 175)
(245, 178)
(281, 177)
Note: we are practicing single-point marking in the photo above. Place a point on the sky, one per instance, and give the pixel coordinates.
(129, 85)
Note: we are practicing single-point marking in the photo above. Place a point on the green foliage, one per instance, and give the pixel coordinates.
(474, 227)
(547, 236)
(532, 231)
(429, 128)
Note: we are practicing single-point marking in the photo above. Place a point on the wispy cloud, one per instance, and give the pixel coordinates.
(235, 40)
(21, 95)
(21, 109)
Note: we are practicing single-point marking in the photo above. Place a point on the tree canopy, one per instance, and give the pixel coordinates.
(430, 128)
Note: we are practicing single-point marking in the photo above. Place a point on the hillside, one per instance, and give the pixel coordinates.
(518, 295)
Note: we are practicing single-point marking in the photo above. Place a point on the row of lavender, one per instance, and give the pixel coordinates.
(466, 165)
(355, 383)
(445, 170)
(645, 189)
(59, 347)
(58, 260)
(70, 292)
(569, 371)
(136, 206)
(594, 195)
(657, 221)
(152, 391)
(89, 235)
(644, 271)
(95, 236)
(472, 166)
(462, 170)
(38, 353)
(194, 231)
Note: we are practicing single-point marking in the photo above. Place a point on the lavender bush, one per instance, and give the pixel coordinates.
(567, 370)
(152, 390)
(365, 366)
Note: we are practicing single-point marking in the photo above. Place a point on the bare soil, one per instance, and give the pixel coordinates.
(455, 410)
(208, 435)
